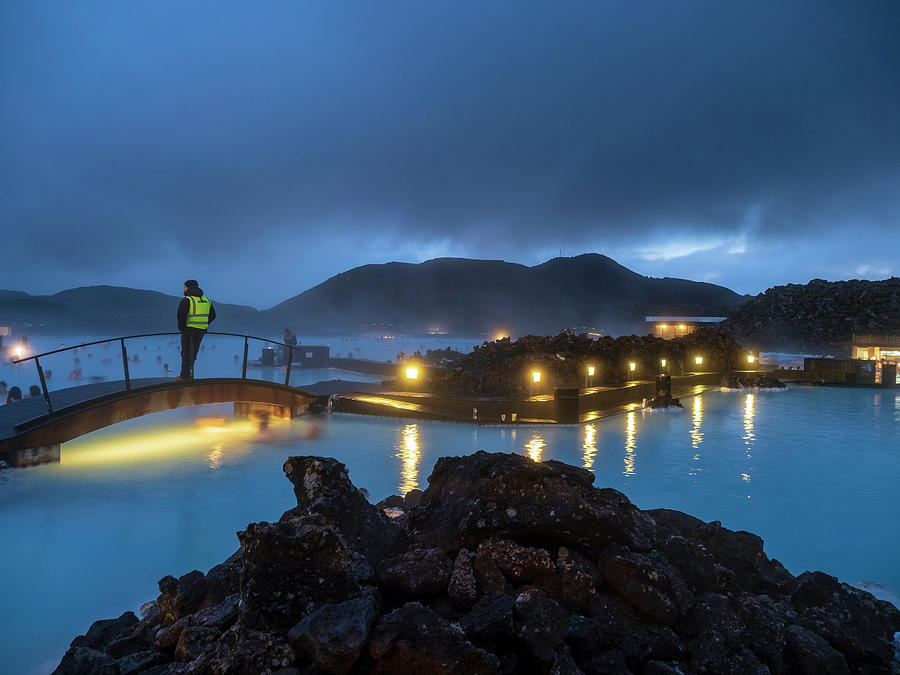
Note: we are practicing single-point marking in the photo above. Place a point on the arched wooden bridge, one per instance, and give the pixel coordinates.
(31, 430)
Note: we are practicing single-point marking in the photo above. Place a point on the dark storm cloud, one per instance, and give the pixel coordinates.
(161, 134)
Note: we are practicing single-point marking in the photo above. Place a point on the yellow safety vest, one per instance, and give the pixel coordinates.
(198, 314)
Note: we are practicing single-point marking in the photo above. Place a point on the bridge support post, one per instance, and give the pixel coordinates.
(259, 411)
(44, 454)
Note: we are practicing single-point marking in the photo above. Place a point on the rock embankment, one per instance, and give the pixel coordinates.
(502, 565)
(817, 318)
(751, 381)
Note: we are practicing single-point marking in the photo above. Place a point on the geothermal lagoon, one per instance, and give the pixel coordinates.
(812, 470)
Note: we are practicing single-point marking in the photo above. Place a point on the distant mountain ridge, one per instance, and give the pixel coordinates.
(460, 295)
(454, 295)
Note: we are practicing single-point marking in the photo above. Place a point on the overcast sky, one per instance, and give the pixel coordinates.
(262, 147)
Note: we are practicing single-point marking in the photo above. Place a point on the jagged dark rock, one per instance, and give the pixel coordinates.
(323, 488)
(508, 566)
(419, 572)
(751, 380)
(462, 587)
(650, 585)
(505, 495)
(103, 632)
(87, 661)
(194, 591)
(413, 639)
(289, 568)
(332, 637)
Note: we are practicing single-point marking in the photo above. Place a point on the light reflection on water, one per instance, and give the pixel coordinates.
(696, 436)
(589, 448)
(697, 421)
(534, 448)
(749, 437)
(410, 455)
(165, 494)
(630, 442)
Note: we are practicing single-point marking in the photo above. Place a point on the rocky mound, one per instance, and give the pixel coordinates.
(503, 367)
(751, 380)
(502, 565)
(819, 317)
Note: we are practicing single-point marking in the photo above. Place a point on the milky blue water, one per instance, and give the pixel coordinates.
(814, 471)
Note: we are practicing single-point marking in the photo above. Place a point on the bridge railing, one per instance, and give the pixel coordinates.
(289, 351)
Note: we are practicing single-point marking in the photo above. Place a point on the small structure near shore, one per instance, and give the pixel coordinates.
(503, 565)
(663, 397)
(669, 327)
(877, 347)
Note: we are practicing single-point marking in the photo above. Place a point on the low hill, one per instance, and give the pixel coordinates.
(486, 296)
(819, 317)
(110, 310)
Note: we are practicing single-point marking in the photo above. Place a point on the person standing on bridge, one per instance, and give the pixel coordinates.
(195, 313)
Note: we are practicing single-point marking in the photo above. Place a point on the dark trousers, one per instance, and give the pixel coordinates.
(190, 345)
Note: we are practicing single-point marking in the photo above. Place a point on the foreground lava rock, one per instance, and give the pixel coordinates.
(502, 565)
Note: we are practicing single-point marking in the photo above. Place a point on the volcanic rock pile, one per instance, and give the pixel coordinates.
(751, 381)
(502, 565)
(503, 367)
(819, 317)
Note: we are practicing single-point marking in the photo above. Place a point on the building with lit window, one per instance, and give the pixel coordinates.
(668, 327)
(877, 348)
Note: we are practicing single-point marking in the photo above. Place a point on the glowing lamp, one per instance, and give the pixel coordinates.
(591, 371)
(698, 360)
(536, 376)
(412, 373)
(662, 362)
(663, 326)
(681, 327)
(19, 352)
(632, 366)
(750, 358)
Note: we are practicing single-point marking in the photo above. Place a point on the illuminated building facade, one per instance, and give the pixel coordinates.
(877, 348)
(668, 327)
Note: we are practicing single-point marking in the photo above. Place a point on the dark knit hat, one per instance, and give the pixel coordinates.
(191, 283)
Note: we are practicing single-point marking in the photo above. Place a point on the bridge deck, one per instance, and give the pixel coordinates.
(19, 412)
(26, 425)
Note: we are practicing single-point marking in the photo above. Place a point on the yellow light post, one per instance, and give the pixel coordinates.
(535, 381)
(698, 360)
(412, 376)
(589, 378)
(662, 365)
(632, 366)
(751, 359)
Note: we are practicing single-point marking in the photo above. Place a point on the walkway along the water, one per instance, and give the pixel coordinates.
(563, 406)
